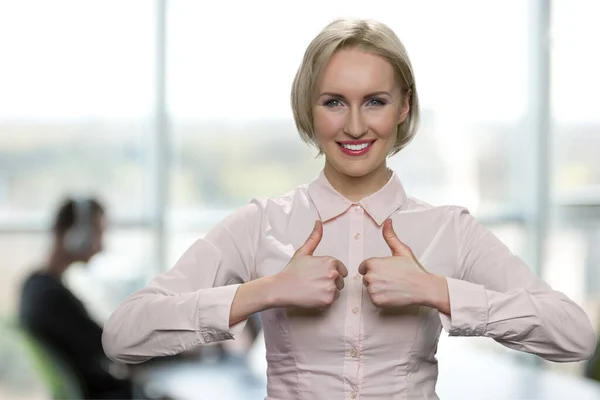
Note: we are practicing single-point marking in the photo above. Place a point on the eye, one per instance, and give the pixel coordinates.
(376, 102)
(333, 103)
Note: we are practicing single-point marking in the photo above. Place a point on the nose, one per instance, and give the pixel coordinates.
(355, 125)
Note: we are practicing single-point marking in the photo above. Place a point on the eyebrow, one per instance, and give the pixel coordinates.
(341, 96)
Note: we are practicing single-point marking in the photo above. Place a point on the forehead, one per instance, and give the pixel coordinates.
(357, 71)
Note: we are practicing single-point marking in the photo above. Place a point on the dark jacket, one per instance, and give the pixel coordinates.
(52, 313)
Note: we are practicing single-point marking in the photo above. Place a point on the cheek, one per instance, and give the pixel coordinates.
(327, 124)
(384, 124)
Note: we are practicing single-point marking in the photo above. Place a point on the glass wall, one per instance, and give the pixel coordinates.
(76, 113)
(573, 246)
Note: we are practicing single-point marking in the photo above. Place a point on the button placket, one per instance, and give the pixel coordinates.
(353, 314)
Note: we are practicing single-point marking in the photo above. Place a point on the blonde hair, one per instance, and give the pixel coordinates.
(367, 35)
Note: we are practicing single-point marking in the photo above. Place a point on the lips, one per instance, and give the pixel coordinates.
(356, 148)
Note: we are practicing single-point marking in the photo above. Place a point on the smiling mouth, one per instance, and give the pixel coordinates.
(356, 149)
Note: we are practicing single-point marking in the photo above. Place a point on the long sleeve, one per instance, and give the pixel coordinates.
(190, 304)
(495, 294)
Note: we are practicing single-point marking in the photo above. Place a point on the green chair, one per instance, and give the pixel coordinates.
(59, 381)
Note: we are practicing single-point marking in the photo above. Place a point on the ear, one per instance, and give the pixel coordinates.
(405, 107)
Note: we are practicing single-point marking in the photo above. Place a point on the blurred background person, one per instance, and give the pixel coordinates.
(56, 317)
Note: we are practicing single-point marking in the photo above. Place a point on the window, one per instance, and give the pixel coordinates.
(573, 251)
(575, 88)
(75, 104)
(76, 115)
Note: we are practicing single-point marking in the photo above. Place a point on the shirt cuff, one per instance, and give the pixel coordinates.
(468, 307)
(214, 307)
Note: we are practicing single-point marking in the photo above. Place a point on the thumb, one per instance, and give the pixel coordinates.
(313, 240)
(398, 248)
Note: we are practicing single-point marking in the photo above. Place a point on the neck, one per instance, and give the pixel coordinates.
(57, 262)
(357, 188)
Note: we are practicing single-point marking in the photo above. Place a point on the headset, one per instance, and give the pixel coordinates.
(79, 238)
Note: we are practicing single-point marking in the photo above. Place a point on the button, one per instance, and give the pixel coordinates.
(356, 277)
(353, 394)
(353, 353)
(357, 207)
(354, 310)
(357, 236)
(208, 337)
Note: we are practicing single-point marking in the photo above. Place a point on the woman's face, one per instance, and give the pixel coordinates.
(358, 108)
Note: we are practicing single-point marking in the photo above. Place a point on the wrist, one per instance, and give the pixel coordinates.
(436, 293)
(271, 297)
(250, 298)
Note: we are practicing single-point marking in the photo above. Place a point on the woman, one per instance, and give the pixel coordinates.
(353, 278)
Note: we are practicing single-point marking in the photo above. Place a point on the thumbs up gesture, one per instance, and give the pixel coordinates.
(308, 281)
(399, 280)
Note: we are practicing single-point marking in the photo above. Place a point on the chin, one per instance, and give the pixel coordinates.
(354, 169)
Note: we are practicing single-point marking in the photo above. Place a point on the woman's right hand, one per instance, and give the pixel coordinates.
(308, 281)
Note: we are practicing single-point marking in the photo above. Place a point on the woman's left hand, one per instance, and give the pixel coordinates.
(400, 280)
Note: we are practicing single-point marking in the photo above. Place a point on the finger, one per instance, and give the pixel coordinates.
(398, 248)
(313, 240)
(362, 268)
(341, 268)
(339, 282)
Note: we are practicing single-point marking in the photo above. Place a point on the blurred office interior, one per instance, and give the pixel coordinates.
(175, 113)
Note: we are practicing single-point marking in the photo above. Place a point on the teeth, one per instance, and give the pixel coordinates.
(356, 147)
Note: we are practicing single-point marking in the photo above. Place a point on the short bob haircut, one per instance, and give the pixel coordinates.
(367, 35)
